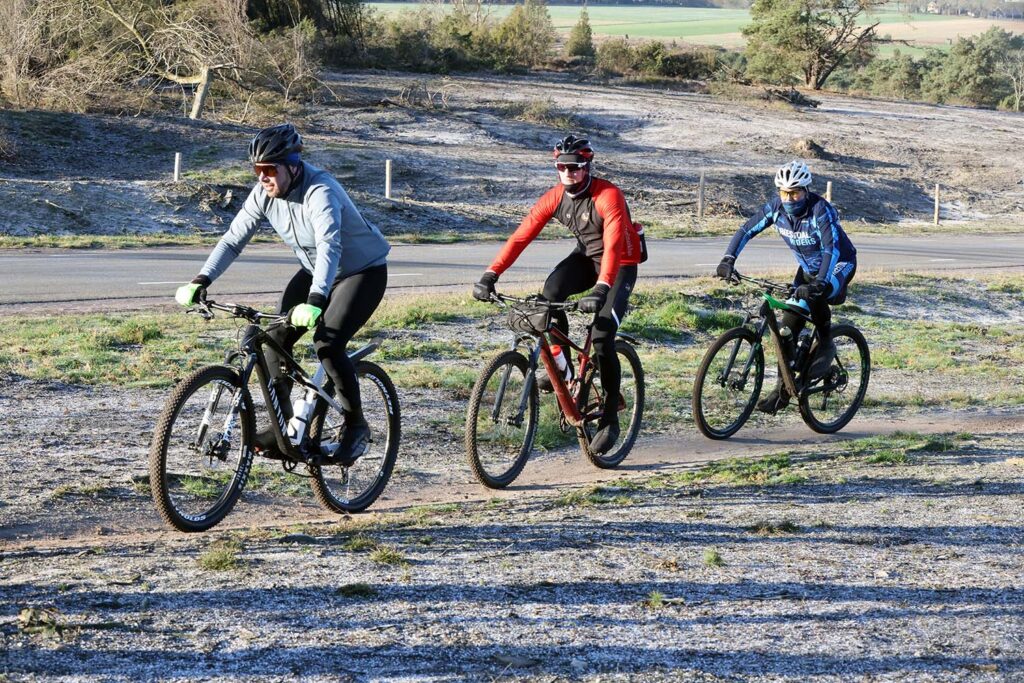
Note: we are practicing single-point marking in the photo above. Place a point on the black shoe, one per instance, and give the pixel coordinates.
(354, 444)
(544, 380)
(774, 402)
(823, 360)
(265, 444)
(607, 435)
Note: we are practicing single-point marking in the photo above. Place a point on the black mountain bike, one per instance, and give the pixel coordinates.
(503, 412)
(202, 449)
(729, 380)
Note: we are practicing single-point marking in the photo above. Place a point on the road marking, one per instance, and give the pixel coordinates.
(404, 274)
(705, 264)
(172, 282)
(935, 260)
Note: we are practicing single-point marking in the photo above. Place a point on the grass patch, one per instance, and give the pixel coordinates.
(896, 448)
(360, 543)
(770, 470)
(388, 555)
(654, 601)
(712, 558)
(766, 528)
(542, 111)
(221, 557)
(159, 239)
(592, 496)
(357, 590)
(663, 315)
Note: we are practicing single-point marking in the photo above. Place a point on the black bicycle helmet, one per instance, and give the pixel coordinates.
(275, 144)
(573, 149)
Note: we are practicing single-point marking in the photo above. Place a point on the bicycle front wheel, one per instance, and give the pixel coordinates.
(828, 404)
(631, 407)
(728, 383)
(200, 455)
(501, 421)
(355, 488)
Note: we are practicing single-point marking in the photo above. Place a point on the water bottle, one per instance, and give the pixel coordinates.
(302, 409)
(786, 336)
(560, 362)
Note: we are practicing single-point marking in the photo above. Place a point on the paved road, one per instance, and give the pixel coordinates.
(153, 274)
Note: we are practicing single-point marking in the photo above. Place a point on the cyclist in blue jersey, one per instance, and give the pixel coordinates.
(828, 260)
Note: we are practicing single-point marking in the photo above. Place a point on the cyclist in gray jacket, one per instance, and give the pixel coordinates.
(341, 280)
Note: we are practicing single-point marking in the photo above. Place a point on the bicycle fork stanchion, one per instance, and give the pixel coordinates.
(211, 408)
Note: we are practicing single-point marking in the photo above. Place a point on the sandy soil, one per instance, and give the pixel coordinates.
(462, 164)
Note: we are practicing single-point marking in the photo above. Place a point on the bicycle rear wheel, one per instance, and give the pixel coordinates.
(200, 455)
(355, 488)
(500, 429)
(828, 404)
(631, 406)
(728, 383)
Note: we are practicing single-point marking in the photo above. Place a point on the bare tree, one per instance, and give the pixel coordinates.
(1012, 67)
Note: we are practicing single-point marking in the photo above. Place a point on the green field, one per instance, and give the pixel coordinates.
(709, 26)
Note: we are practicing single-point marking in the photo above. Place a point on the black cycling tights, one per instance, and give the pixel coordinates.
(350, 304)
(578, 273)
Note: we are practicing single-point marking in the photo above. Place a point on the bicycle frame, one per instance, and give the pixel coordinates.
(540, 352)
(250, 357)
(769, 322)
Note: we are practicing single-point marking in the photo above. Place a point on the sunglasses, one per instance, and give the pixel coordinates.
(791, 194)
(571, 168)
(269, 170)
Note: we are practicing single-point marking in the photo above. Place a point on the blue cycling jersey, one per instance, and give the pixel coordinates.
(816, 238)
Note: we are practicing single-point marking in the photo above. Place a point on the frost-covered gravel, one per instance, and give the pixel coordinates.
(885, 573)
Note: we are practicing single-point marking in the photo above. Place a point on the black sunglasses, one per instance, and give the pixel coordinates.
(571, 167)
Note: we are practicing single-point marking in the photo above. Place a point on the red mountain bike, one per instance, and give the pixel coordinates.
(503, 414)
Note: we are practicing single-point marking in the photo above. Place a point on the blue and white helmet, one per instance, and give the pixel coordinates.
(793, 176)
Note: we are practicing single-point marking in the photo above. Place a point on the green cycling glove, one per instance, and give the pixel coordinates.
(188, 294)
(305, 315)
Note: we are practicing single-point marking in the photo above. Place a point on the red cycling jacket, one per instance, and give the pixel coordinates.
(598, 217)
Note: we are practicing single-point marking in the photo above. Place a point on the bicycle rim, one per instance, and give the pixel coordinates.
(728, 383)
(499, 429)
(354, 488)
(631, 408)
(200, 457)
(847, 382)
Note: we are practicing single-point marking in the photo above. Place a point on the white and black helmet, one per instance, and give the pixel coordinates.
(275, 144)
(793, 176)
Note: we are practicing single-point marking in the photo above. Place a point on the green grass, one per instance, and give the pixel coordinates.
(222, 556)
(388, 555)
(898, 447)
(712, 558)
(703, 25)
(766, 528)
(664, 315)
(357, 590)
(360, 543)
(775, 469)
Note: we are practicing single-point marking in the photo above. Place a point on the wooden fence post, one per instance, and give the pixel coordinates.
(828, 191)
(387, 179)
(936, 203)
(177, 166)
(700, 197)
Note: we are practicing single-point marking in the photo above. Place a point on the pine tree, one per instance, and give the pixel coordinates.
(581, 40)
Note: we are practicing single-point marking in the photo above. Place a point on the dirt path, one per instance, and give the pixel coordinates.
(119, 514)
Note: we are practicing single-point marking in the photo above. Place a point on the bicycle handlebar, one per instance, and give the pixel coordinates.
(206, 307)
(767, 284)
(534, 300)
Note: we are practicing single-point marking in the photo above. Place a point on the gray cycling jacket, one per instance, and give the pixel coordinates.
(318, 220)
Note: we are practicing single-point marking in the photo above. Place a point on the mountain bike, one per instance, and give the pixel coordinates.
(729, 380)
(503, 413)
(202, 448)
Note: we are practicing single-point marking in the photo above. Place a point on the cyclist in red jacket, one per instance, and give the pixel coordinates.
(604, 261)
